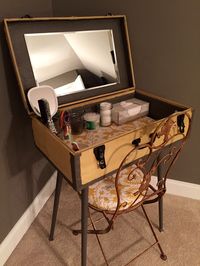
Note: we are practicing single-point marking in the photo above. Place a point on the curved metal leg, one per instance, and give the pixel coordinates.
(160, 210)
(97, 237)
(162, 254)
(55, 206)
(160, 202)
(84, 225)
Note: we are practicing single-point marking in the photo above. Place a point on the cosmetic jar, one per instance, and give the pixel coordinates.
(92, 120)
(76, 122)
(105, 114)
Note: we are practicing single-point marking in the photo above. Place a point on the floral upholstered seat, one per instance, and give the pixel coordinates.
(103, 194)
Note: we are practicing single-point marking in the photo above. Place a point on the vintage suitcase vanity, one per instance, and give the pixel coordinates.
(81, 167)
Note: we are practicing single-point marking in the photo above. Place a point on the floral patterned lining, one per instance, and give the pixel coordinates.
(92, 137)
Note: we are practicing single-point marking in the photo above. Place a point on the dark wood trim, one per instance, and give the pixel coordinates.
(76, 175)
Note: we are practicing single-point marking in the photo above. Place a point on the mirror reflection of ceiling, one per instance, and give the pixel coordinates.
(73, 61)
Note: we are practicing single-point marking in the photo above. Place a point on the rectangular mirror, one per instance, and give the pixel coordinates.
(73, 61)
(82, 58)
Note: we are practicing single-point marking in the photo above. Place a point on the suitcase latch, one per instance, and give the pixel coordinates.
(99, 154)
(136, 142)
(180, 123)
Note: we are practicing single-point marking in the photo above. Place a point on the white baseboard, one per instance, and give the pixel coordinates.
(180, 188)
(174, 187)
(23, 224)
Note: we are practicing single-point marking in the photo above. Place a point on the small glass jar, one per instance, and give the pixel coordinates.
(105, 114)
(76, 122)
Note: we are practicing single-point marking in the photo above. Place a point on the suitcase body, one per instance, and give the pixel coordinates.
(81, 168)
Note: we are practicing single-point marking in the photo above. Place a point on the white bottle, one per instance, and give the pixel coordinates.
(105, 114)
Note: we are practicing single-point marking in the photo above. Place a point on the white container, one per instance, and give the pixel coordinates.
(92, 120)
(129, 110)
(105, 114)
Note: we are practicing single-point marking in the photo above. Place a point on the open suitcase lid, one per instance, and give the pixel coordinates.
(82, 58)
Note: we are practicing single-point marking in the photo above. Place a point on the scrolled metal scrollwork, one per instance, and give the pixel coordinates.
(161, 150)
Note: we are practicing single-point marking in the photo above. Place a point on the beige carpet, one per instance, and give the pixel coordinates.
(180, 240)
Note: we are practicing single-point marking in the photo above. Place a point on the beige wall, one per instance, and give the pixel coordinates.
(51, 55)
(95, 58)
(23, 169)
(165, 42)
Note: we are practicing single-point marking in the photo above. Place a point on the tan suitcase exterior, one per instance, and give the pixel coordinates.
(81, 168)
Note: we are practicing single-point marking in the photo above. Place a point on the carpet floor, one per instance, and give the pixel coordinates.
(180, 239)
